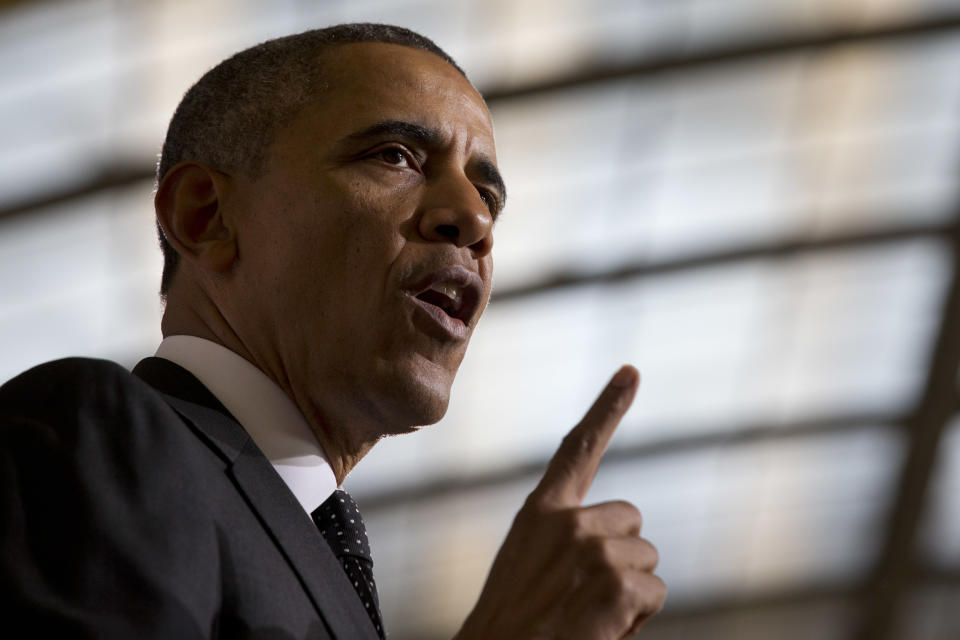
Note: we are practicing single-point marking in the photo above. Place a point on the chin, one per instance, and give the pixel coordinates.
(418, 398)
(426, 404)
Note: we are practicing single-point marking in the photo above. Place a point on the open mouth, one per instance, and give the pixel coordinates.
(452, 300)
(452, 295)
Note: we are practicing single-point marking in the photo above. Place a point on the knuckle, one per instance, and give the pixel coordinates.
(628, 507)
(614, 583)
(653, 555)
(659, 595)
(624, 596)
(641, 596)
(608, 555)
(593, 549)
(572, 523)
(602, 555)
(630, 513)
(577, 443)
(615, 406)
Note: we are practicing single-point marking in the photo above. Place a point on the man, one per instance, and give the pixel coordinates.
(327, 204)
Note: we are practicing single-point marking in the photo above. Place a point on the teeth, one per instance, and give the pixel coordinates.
(451, 292)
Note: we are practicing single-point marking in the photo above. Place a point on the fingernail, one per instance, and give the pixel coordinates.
(624, 377)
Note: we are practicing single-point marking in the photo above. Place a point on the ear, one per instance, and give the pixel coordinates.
(189, 205)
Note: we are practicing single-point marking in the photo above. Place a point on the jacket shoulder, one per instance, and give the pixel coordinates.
(89, 449)
(65, 392)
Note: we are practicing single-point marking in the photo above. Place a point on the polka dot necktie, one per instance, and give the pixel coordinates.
(341, 525)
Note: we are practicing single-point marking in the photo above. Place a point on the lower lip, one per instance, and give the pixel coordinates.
(432, 320)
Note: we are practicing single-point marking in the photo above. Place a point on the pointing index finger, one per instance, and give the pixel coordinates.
(571, 470)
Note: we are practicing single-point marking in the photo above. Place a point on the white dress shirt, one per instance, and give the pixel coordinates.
(265, 412)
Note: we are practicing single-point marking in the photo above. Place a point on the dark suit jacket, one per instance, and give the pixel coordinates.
(135, 506)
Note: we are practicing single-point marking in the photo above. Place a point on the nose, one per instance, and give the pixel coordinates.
(453, 211)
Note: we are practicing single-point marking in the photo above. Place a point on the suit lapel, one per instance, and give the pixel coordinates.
(301, 542)
(270, 499)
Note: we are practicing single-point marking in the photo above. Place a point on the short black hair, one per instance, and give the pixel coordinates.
(228, 119)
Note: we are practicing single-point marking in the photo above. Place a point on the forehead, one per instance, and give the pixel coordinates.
(367, 83)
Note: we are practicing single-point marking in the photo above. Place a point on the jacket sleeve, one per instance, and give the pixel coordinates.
(90, 541)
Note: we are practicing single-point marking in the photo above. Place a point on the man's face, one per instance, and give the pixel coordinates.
(364, 251)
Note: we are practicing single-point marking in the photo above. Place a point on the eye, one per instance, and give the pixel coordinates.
(489, 200)
(395, 156)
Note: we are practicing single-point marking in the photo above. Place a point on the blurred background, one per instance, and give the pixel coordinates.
(757, 202)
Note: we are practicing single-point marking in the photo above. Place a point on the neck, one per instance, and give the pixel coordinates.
(344, 433)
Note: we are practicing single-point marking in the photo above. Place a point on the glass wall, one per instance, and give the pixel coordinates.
(751, 201)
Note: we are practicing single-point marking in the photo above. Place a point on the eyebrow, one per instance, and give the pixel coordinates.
(399, 128)
(430, 137)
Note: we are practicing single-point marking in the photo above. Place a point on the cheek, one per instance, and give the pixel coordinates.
(486, 272)
(370, 229)
(367, 248)
(486, 269)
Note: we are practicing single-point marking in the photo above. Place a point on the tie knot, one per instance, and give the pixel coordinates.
(340, 524)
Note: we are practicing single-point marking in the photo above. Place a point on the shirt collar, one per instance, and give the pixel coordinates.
(263, 410)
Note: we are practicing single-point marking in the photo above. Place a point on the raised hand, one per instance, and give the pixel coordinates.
(569, 571)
